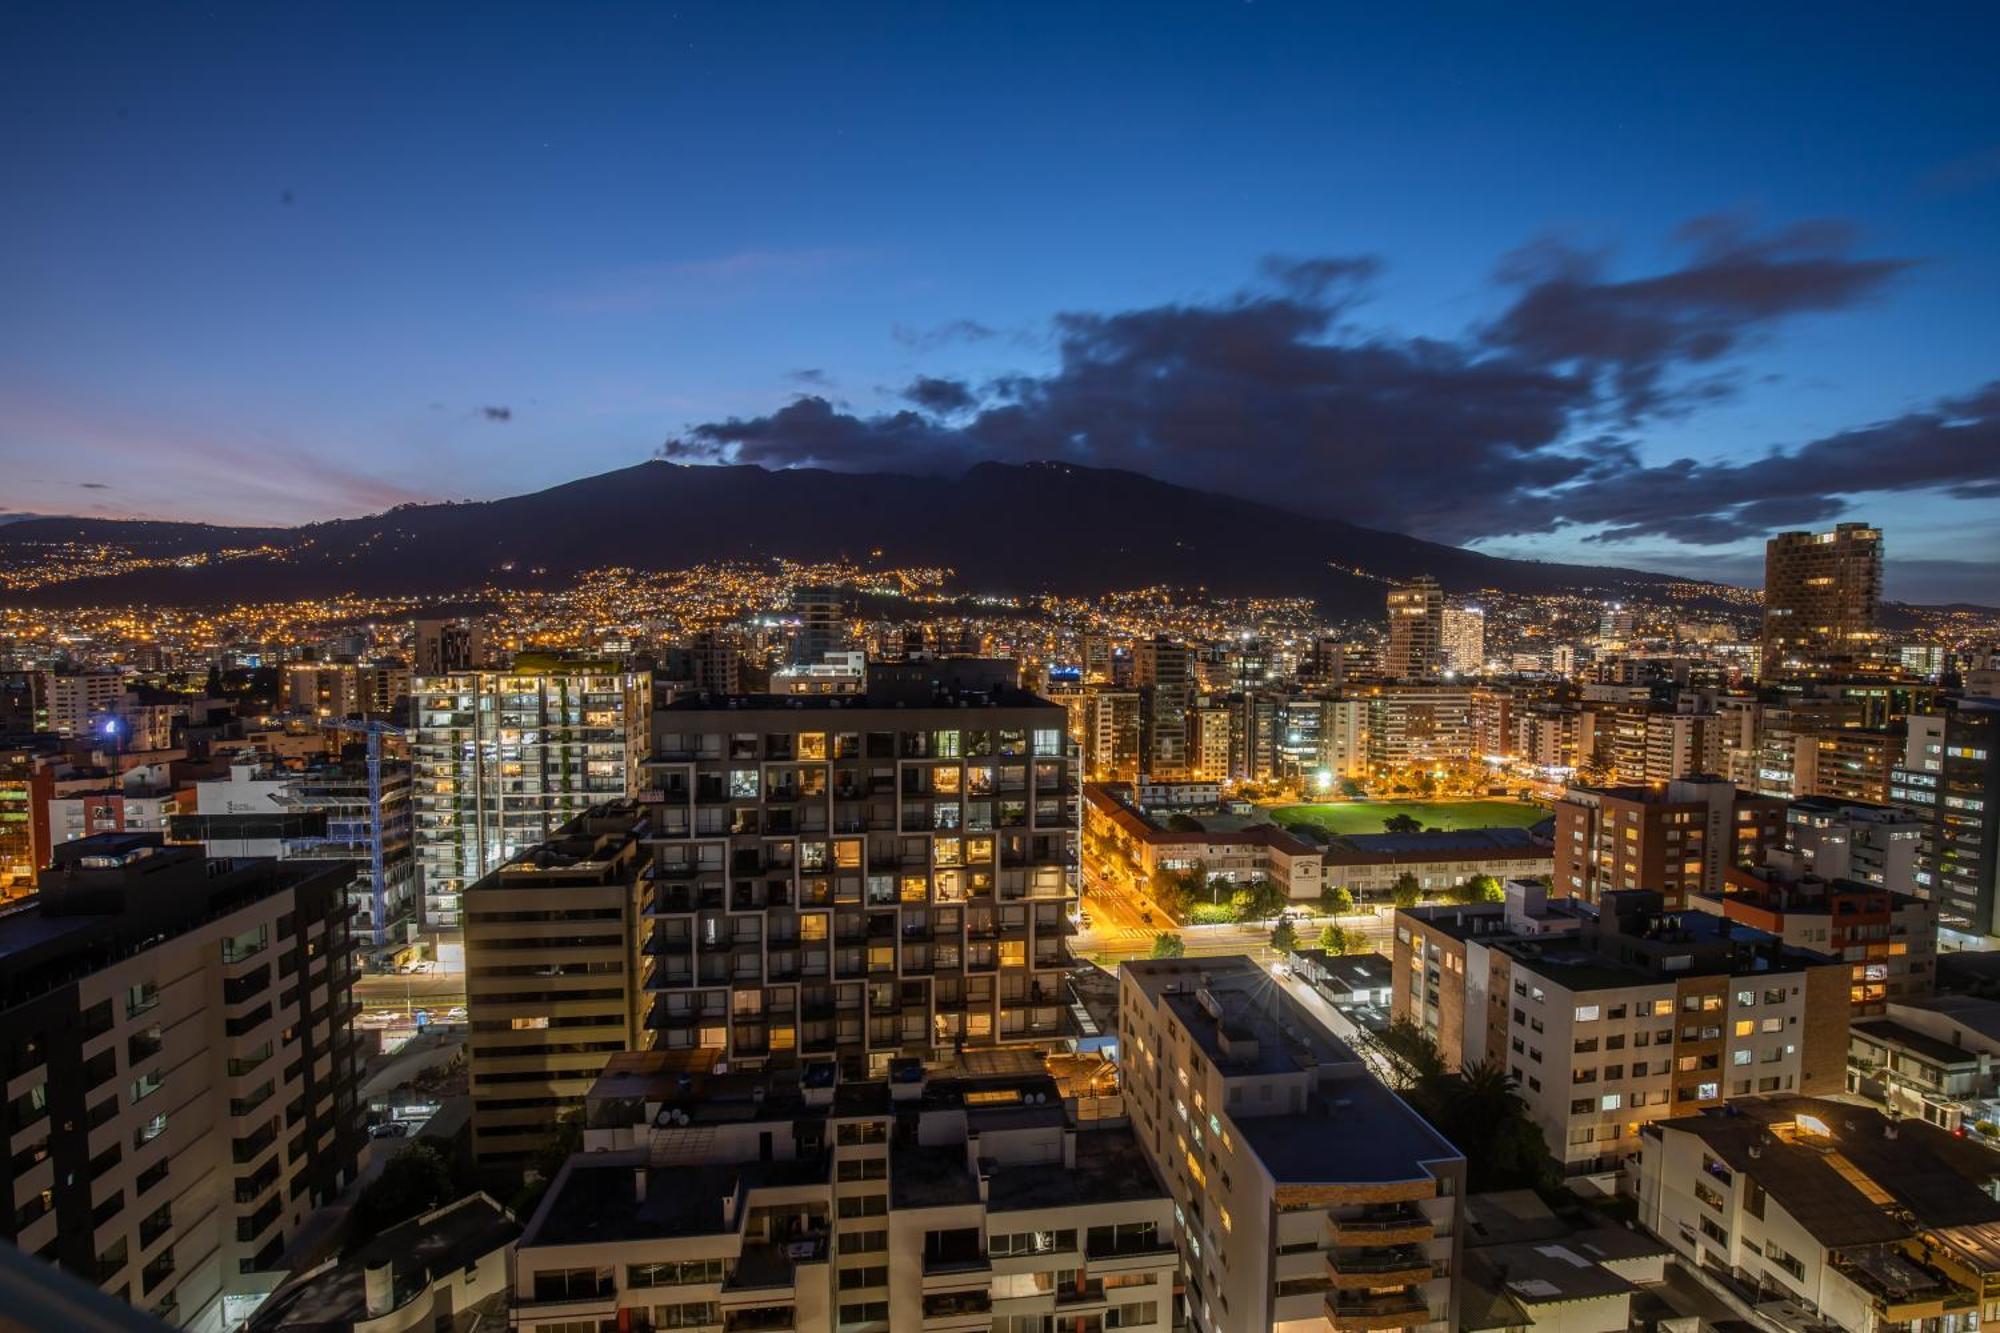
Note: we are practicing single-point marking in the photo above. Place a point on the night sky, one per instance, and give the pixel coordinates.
(1572, 284)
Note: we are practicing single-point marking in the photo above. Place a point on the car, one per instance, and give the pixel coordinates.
(456, 1011)
(389, 1129)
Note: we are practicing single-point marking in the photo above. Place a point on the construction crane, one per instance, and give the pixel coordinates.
(374, 731)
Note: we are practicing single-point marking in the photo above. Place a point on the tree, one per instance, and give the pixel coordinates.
(1244, 904)
(1336, 939)
(416, 1180)
(1335, 900)
(1413, 1053)
(1285, 939)
(1479, 889)
(1406, 892)
(1402, 823)
(1180, 823)
(1166, 944)
(1479, 1110)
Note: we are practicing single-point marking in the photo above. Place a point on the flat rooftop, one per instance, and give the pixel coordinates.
(595, 1198)
(1110, 1168)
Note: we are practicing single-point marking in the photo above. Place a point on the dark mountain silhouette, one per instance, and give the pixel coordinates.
(1049, 527)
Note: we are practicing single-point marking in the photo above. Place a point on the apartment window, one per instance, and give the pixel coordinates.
(1587, 1013)
(674, 1273)
(865, 1312)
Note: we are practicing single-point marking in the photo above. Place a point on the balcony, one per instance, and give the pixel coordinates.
(1399, 1310)
(761, 1319)
(1379, 1227)
(1363, 1270)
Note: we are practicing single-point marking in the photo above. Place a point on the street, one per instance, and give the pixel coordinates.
(434, 991)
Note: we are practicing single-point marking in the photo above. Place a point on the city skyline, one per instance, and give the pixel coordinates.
(1649, 359)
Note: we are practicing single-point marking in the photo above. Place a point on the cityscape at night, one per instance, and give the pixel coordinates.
(1200, 668)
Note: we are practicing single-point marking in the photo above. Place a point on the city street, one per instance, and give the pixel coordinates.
(399, 994)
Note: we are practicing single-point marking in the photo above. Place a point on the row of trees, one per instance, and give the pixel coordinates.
(1478, 1108)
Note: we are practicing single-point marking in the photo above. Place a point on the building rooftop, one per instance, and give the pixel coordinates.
(1971, 1011)
(595, 1197)
(1110, 1168)
(1443, 842)
(1838, 1168)
(1922, 1044)
(333, 1298)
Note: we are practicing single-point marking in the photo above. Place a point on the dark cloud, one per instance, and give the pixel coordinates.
(941, 396)
(1951, 447)
(497, 413)
(956, 331)
(810, 375)
(1636, 332)
(95, 485)
(1523, 425)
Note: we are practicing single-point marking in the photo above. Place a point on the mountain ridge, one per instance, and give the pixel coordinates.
(1004, 528)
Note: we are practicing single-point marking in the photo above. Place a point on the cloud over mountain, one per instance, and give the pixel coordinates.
(1521, 424)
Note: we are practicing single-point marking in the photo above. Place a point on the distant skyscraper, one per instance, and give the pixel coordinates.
(503, 759)
(1616, 623)
(1821, 590)
(822, 613)
(1416, 629)
(448, 645)
(1164, 673)
(1464, 632)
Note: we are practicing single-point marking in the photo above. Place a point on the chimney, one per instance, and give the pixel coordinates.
(639, 1184)
(379, 1286)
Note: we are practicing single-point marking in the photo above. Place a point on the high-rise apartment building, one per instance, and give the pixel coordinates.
(1674, 839)
(872, 878)
(444, 646)
(552, 978)
(1410, 722)
(822, 613)
(345, 689)
(76, 699)
(716, 662)
(1164, 671)
(1966, 836)
(1616, 623)
(1821, 591)
(1306, 1195)
(181, 1065)
(502, 759)
(25, 787)
(1632, 1015)
(1416, 629)
(1462, 639)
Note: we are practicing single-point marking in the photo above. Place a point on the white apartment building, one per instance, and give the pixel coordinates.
(1306, 1195)
(73, 698)
(180, 1070)
(1636, 1016)
(1830, 1211)
(799, 1202)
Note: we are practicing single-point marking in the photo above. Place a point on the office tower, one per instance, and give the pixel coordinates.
(444, 646)
(1462, 639)
(710, 1200)
(502, 759)
(345, 689)
(1634, 1014)
(864, 878)
(1966, 835)
(1676, 839)
(181, 1053)
(1416, 629)
(78, 700)
(1164, 672)
(1821, 590)
(1880, 1222)
(1925, 660)
(552, 978)
(1308, 1195)
(320, 810)
(822, 614)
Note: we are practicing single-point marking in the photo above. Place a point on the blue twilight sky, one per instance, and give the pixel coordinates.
(280, 263)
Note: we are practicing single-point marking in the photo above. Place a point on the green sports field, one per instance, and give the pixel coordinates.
(1367, 816)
